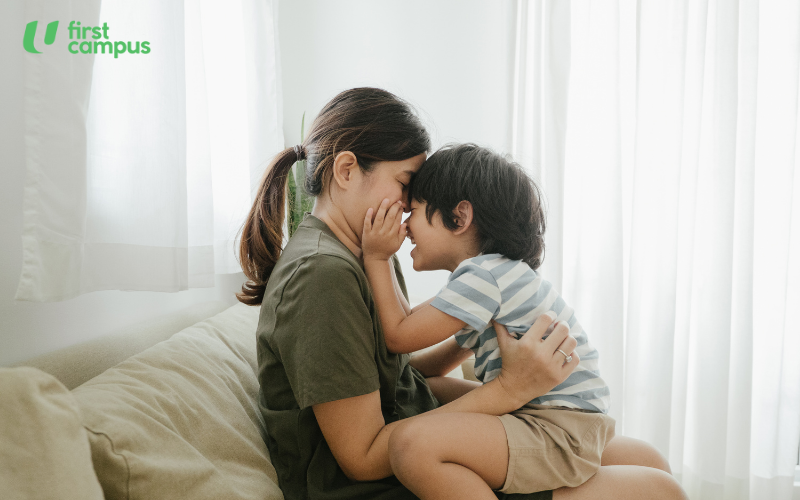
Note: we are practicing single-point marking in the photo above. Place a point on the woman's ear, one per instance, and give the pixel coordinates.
(463, 213)
(344, 166)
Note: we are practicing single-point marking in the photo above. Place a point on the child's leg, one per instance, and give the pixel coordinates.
(455, 455)
(448, 389)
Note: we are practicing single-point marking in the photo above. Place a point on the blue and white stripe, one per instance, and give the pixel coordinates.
(492, 286)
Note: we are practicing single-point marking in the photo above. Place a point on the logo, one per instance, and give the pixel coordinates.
(30, 32)
(99, 44)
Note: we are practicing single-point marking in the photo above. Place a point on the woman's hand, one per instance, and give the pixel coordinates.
(382, 238)
(533, 366)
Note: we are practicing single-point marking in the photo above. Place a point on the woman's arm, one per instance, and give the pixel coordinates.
(435, 363)
(358, 436)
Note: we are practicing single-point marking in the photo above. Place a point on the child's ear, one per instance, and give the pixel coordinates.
(463, 213)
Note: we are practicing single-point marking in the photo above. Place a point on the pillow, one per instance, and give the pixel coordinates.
(181, 419)
(44, 451)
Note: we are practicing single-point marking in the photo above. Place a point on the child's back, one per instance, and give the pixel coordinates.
(493, 287)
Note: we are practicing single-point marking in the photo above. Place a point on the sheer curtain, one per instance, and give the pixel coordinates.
(142, 167)
(665, 135)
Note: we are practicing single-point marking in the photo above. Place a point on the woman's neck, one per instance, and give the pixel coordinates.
(330, 214)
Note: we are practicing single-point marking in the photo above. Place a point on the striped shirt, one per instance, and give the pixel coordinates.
(492, 286)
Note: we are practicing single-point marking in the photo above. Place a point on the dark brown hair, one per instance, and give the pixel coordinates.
(506, 203)
(373, 124)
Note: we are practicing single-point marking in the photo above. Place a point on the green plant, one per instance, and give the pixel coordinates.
(298, 201)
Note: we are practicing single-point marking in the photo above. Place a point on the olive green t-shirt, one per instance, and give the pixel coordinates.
(319, 340)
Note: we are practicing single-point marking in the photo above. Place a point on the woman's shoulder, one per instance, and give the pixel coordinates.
(324, 255)
(313, 262)
(313, 239)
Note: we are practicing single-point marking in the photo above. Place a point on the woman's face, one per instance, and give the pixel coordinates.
(388, 179)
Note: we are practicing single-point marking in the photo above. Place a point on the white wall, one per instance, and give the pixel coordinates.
(453, 59)
(29, 329)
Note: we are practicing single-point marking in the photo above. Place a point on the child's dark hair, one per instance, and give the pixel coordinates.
(506, 203)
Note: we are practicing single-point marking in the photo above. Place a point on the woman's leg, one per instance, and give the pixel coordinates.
(456, 455)
(623, 450)
(625, 482)
(631, 469)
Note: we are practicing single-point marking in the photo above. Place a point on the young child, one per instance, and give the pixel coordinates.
(478, 215)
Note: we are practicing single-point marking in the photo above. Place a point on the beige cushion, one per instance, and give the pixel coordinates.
(76, 364)
(180, 419)
(44, 451)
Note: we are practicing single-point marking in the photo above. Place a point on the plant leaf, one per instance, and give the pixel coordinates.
(302, 128)
(291, 198)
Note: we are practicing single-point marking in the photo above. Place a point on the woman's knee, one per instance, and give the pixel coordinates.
(625, 481)
(664, 486)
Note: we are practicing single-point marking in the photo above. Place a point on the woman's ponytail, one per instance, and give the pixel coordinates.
(262, 233)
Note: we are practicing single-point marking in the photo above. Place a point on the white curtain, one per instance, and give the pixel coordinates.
(665, 135)
(142, 167)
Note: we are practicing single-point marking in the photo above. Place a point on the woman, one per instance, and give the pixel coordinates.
(331, 393)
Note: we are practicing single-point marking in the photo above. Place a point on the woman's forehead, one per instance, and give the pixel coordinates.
(411, 165)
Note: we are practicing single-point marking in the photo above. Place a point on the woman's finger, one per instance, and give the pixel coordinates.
(502, 333)
(539, 327)
(559, 334)
(568, 368)
(566, 350)
(569, 344)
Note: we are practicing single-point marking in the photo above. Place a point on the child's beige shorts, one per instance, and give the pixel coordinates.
(550, 447)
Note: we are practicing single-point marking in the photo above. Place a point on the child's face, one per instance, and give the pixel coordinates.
(435, 244)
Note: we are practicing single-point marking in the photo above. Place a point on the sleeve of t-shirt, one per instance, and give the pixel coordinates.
(325, 333)
(471, 295)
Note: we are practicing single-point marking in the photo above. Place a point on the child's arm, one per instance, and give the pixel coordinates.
(420, 306)
(399, 293)
(403, 332)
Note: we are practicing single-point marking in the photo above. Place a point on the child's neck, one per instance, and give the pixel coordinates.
(465, 246)
(461, 257)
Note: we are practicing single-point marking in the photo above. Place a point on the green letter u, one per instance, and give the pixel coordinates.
(30, 32)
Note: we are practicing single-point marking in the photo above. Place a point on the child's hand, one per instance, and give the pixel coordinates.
(383, 236)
